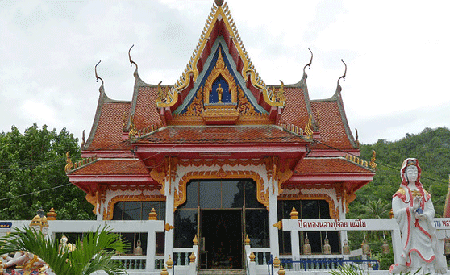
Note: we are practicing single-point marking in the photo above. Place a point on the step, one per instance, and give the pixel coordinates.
(221, 272)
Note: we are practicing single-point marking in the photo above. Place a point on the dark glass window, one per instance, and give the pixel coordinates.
(221, 194)
(210, 194)
(138, 210)
(186, 225)
(307, 209)
(257, 227)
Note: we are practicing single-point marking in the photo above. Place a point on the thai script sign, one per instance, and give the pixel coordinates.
(338, 225)
(5, 224)
(441, 223)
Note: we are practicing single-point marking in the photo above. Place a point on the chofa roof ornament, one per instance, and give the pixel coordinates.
(345, 72)
(310, 61)
(96, 75)
(129, 56)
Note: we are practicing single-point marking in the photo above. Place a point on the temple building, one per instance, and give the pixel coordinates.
(221, 156)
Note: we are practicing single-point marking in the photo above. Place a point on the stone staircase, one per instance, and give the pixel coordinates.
(221, 272)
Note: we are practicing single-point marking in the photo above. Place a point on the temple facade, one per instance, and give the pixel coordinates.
(222, 157)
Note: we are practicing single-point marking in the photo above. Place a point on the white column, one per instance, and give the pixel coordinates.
(168, 235)
(273, 231)
(295, 245)
(151, 248)
(343, 234)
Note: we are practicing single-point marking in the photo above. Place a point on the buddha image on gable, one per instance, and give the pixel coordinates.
(220, 91)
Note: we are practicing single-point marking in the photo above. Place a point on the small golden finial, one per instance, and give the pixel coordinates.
(129, 56)
(69, 164)
(132, 133)
(252, 257)
(294, 214)
(169, 263)
(96, 75)
(51, 215)
(308, 131)
(192, 257)
(195, 241)
(372, 163)
(152, 215)
(276, 262)
(345, 71)
(247, 240)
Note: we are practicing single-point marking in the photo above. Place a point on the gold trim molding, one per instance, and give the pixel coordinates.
(261, 195)
(134, 197)
(334, 211)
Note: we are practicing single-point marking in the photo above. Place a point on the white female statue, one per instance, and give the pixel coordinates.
(414, 213)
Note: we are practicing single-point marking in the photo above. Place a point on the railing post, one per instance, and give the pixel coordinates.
(251, 264)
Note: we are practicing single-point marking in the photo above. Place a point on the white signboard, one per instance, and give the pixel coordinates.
(338, 225)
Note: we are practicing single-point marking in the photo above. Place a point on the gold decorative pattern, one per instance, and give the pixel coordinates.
(331, 205)
(220, 70)
(278, 225)
(245, 107)
(372, 163)
(361, 162)
(261, 195)
(218, 13)
(196, 107)
(308, 129)
(135, 197)
(69, 164)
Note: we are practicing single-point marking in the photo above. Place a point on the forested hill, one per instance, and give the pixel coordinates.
(431, 147)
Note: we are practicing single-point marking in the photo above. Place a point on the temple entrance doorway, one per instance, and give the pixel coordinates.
(221, 243)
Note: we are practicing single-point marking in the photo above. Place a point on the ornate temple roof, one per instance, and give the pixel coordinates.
(247, 111)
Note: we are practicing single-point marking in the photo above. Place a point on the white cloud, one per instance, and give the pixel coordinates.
(397, 57)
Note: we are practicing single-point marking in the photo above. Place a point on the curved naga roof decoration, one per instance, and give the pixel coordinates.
(218, 13)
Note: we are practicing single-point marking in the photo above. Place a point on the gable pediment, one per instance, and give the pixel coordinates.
(220, 33)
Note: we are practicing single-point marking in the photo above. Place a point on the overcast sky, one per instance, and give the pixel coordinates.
(397, 52)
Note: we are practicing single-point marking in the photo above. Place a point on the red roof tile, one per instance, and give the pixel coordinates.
(113, 167)
(309, 166)
(295, 111)
(145, 112)
(331, 125)
(221, 134)
(109, 129)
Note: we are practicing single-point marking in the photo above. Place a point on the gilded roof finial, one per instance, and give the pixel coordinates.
(96, 75)
(218, 2)
(69, 164)
(129, 56)
(310, 61)
(345, 72)
(372, 163)
(357, 139)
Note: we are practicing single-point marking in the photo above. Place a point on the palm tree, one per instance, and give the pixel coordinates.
(93, 252)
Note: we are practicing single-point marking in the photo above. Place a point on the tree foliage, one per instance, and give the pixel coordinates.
(92, 253)
(32, 174)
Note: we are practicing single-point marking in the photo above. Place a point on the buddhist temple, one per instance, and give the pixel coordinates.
(222, 156)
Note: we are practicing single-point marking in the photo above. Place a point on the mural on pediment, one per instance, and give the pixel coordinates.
(220, 98)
